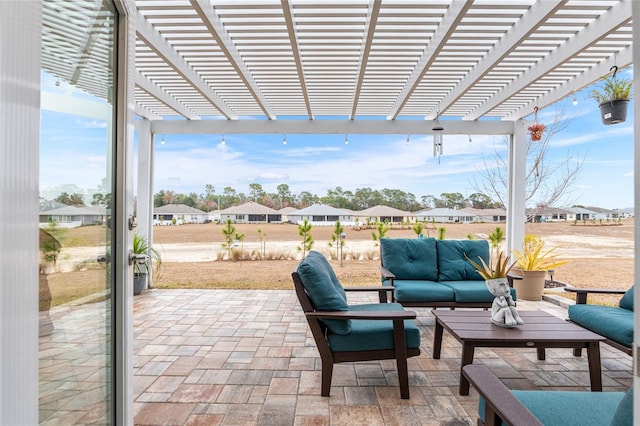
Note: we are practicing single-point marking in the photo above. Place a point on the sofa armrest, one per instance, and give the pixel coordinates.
(499, 401)
(582, 293)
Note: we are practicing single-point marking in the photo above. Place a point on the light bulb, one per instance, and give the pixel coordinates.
(162, 140)
(346, 140)
(284, 139)
(408, 140)
(574, 101)
(222, 142)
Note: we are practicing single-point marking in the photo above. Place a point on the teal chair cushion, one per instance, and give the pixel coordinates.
(563, 408)
(324, 289)
(627, 300)
(609, 321)
(624, 413)
(452, 264)
(421, 291)
(371, 335)
(410, 259)
(472, 291)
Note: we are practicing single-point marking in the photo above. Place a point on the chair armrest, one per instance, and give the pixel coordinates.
(370, 288)
(368, 315)
(582, 293)
(386, 274)
(498, 399)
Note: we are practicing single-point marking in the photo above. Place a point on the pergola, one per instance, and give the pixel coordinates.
(315, 67)
(357, 67)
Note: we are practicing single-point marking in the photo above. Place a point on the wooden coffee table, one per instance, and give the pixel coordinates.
(541, 330)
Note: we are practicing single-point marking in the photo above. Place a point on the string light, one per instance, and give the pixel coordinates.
(469, 138)
(222, 142)
(574, 101)
(284, 139)
(346, 139)
(162, 140)
(408, 140)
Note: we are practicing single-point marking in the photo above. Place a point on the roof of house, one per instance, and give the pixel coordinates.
(380, 210)
(75, 211)
(287, 210)
(177, 209)
(249, 208)
(323, 210)
(443, 211)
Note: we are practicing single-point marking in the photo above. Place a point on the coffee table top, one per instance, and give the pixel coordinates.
(539, 326)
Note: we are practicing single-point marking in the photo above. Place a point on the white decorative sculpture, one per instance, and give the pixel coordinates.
(503, 308)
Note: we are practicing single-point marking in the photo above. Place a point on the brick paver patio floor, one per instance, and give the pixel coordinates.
(245, 357)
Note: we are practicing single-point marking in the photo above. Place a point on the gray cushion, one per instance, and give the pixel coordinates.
(452, 264)
(410, 259)
(324, 289)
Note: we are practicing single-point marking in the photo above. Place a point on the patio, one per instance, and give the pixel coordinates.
(247, 357)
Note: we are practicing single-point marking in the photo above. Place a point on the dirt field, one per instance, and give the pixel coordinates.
(600, 255)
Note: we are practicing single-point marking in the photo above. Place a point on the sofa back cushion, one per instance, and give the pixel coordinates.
(324, 289)
(627, 300)
(410, 259)
(452, 263)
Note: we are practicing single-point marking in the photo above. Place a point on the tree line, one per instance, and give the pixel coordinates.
(360, 199)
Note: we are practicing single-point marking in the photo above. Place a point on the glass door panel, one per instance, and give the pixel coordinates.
(76, 189)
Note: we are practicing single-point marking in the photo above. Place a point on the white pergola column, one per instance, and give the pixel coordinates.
(145, 183)
(20, 52)
(516, 185)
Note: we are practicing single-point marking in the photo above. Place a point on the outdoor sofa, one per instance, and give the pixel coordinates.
(426, 272)
(615, 323)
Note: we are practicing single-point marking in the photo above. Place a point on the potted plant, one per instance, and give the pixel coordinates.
(536, 130)
(503, 308)
(141, 268)
(534, 263)
(613, 98)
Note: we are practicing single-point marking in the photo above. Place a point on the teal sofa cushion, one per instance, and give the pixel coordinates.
(410, 259)
(324, 289)
(472, 291)
(452, 264)
(611, 322)
(369, 335)
(421, 291)
(627, 300)
(562, 408)
(624, 413)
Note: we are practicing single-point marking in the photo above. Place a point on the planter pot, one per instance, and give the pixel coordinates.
(536, 135)
(531, 286)
(614, 112)
(139, 283)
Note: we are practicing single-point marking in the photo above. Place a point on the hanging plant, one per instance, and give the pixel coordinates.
(613, 98)
(536, 129)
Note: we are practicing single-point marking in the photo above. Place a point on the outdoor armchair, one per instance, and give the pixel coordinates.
(615, 323)
(348, 333)
(500, 406)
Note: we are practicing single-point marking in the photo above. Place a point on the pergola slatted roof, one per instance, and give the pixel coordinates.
(391, 60)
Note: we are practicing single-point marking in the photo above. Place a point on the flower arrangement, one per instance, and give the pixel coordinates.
(536, 130)
(499, 270)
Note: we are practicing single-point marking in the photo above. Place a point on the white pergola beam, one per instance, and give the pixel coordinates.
(204, 10)
(370, 29)
(330, 127)
(616, 16)
(450, 21)
(159, 45)
(531, 20)
(623, 58)
(144, 112)
(150, 87)
(287, 10)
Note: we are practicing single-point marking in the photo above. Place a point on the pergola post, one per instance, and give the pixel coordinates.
(516, 186)
(145, 183)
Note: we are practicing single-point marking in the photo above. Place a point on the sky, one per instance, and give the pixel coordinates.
(317, 163)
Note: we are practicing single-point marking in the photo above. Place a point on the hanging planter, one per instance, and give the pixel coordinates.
(613, 98)
(536, 129)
